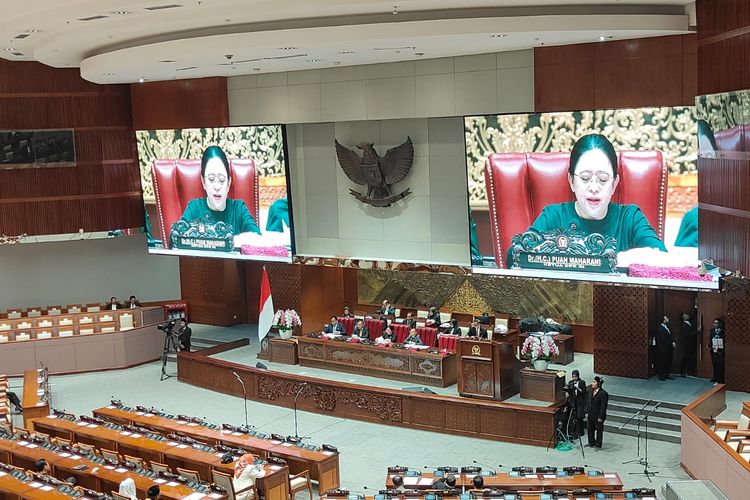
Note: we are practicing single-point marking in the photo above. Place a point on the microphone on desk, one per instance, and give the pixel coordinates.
(244, 392)
(599, 470)
(489, 467)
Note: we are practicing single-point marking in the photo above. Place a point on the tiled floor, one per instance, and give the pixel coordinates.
(368, 449)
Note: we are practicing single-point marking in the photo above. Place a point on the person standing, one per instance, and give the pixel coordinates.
(665, 345)
(577, 400)
(717, 340)
(596, 412)
(689, 344)
(184, 335)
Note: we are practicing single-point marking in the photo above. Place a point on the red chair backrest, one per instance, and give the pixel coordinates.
(520, 185)
(401, 331)
(375, 326)
(176, 182)
(348, 324)
(733, 139)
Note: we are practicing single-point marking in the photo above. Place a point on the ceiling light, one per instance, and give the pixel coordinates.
(419, 54)
(10, 49)
(287, 48)
(256, 69)
(602, 38)
(32, 31)
(167, 61)
(312, 60)
(142, 79)
(108, 74)
(120, 12)
(499, 35)
(346, 52)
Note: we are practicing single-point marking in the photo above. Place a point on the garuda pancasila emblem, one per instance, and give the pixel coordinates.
(378, 173)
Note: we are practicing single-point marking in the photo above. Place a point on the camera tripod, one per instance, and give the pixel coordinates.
(170, 345)
(563, 430)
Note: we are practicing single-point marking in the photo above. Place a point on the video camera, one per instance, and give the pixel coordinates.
(167, 327)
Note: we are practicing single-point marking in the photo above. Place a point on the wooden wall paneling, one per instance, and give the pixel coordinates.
(349, 278)
(214, 290)
(657, 71)
(621, 331)
(200, 102)
(564, 77)
(102, 191)
(737, 317)
(723, 45)
(321, 296)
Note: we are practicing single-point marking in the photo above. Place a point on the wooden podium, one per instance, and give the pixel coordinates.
(488, 369)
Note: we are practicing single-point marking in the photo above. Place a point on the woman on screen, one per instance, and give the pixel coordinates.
(216, 177)
(592, 176)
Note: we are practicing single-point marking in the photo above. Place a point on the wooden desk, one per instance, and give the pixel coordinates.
(275, 484)
(564, 344)
(34, 405)
(94, 476)
(323, 465)
(503, 480)
(11, 487)
(542, 386)
(525, 496)
(420, 367)
(284, 351)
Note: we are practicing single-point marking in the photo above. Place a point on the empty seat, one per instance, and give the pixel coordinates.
(44, 323)
(21, 336)
(108, 329)
(126, 322)
(5, 326)
(157, 467)
(110, 455)
(54, 311)
(65, 333)
(188, 474)
(86, 331)
(24, 324)
(106, 318)
(44, 334)
(34, 312)
(3, 338)
(422, 314)
(445, 317)
(14, 315)
(93, 308)
(65, 322)
(86, 319)
(75, 309)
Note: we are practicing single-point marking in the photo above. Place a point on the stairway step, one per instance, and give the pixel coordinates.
(660, 435)
(640, 402)
(658, 413)
(653, 422)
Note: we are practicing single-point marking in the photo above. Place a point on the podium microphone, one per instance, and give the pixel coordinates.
(244, 393)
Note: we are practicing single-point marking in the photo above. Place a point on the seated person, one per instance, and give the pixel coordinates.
(246, 471)
(413, 337)
(13, 398)
(484, 318)
(387, 309)
(347, 313)
(454, 329)
(41, 466)
(433, 316)
(334, 326)
(127, 488)
(593, 177)
(278, 215)
(132, 303)
(477, 330)
(361, 330)
(388, 336)
(113, 304)
(154, 492)
(216, 177)
(410, 321)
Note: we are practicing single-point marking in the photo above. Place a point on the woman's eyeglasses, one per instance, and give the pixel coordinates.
(213, 178)
(602, 178)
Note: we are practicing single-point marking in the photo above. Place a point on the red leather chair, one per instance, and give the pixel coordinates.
(348, 324)
(520, 185)
(375, 326)
(401, 331)
(733, 139)
(428, 334)
(176, 182)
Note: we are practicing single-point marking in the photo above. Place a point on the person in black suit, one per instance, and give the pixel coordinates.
(717, 340)
(596, 412)
(477, 330)
(13, 398)
(454, 329)
(433, 315)
(361, 330)
(689, 344)
(334, 326)
(413, 337)
(184, 334)
(577, 400)
(113, 304)
(133, 303)
(410, 321)
(347, 313)
(388, 334)
(665, 344)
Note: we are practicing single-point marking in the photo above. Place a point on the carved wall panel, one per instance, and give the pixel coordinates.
(572, 302)
(461, 417)
(621, 332)
(737, 319)
(497, 421)
(427, 413)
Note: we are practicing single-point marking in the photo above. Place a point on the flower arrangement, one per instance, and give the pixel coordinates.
(286, 319)
(539, 348)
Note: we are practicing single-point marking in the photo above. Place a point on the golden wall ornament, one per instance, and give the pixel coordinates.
(671, 130)
(264, 144)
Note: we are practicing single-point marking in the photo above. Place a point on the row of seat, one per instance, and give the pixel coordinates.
(65, 326)
(5, 414)
(736, 433)
(38, 311)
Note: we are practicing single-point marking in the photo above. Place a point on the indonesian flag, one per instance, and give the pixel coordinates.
(265, 317)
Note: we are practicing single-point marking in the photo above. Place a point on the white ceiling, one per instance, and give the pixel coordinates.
(199, 34)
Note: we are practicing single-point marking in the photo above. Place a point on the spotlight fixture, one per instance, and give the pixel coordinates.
(419, 54)
(32, 31)
(10, 49)
(120, 12)
(288, 48)
(499, 35)
(142, 79)
(345, 52)
(395, 9)
(602, 38)
(313, 60)
(256, 69)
